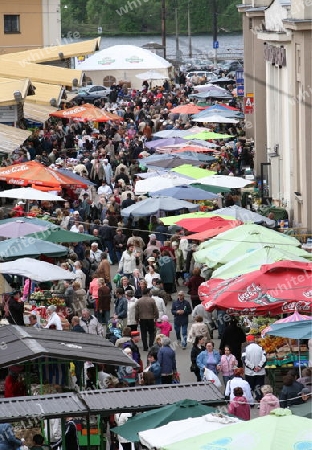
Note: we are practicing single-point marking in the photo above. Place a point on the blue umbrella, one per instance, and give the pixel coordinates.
(218, 109)
(151, 206)
(185, 193)
(292, 330)
(75, 176)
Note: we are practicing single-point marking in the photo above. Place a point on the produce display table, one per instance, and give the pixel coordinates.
(276, 369)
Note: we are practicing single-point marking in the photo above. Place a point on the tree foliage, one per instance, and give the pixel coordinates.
(144, 16)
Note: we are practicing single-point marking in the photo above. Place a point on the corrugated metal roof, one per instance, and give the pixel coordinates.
(21, 344)
(44, 93)
(52, 405)
(106, 401)
(148, 397)
(39, 113)
(11, 138)
(39, 55)
(37, 72)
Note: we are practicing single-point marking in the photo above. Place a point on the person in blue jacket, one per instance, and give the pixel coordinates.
(8, 441)
(154, 367)
(209, 358)
(181, 309)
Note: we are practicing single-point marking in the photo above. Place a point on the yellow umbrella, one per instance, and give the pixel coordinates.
(193, 172)
(171, 220)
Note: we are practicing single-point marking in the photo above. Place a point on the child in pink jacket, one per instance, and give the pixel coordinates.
(268, 401)
(164, 326)
(227, 365)
(239, 406)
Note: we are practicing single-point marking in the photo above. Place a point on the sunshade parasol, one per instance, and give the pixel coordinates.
(174, 162)
(171, 220)
(239, 241)
(166, 134)
(225, 181)
(206, 135)
(295, 330)
(243, 214)
(25, 246)
(151, 206)
(214, 118)
(33, 220)
(158, 143)
(192, 172)
(85, 113)
(35, 270)
(280, 430)
(75, 176)
(152, 184)
(152, 75)
(183, 429)
(283, 286)
(37, 174)
(187, 109)
(193, 148)
(293, 318)
(208, 234)
(30, 194)
(161, 416)
(19, 228)
(59, 235)
(185, 193)
(200, 224)
(253, 260)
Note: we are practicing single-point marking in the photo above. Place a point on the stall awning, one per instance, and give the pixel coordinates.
(40, 73)
(38, 113)
(44, 93)
(108, 401)
(9, 86)
(11, 138)
(20, 344)
(56, 52)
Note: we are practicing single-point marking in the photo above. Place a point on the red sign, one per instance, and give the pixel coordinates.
(249, 104)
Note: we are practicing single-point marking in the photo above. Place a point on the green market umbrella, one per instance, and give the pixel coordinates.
(238, 241)
(33, 220)
(171, 220)
(158, 417)
(279, 430)
(268, 254)
(29, 246)
(58, 235)
(193, 172)
(206, 135)
(209, 188)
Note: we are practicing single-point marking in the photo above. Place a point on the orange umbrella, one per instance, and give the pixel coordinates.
(187, 109)
(85, 113)
(34, 173)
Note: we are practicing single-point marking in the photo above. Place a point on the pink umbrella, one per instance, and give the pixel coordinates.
(295, 317)
(19, 228)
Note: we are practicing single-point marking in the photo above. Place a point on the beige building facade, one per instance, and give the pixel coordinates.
(26, 25)
(278, 55)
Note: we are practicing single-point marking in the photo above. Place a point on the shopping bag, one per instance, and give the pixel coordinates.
(209, 375)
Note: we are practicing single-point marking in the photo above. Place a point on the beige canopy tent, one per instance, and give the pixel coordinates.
(11, 138)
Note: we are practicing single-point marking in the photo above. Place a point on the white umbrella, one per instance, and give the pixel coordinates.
(214, 118)
(151, 206)
(152, 75)
(183, 429)
(224, 181)
(30, 194)
(153, 184)
(35, 270)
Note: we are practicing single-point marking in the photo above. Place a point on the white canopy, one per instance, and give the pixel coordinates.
(215, 118)
(35, 270)
(183, 429)
(151, 75)
(124, 63)
(224, 181)
(153, 184)
(30, 194)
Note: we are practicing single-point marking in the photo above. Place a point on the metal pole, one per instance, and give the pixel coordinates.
(163, 25)
(189, 30)
(177, 34)
(215, 31)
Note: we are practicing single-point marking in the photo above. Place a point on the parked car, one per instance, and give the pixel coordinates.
(231, 66)
(200, 74)
(92, 92)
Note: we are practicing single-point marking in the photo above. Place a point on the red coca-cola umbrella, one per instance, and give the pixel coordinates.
(199, 224)
(284, 286)
(86, 113)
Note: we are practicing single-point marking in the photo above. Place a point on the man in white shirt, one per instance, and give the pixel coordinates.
(254, 359)
(95, 253)
(105, 189)
(54, 321)
(79, 275)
